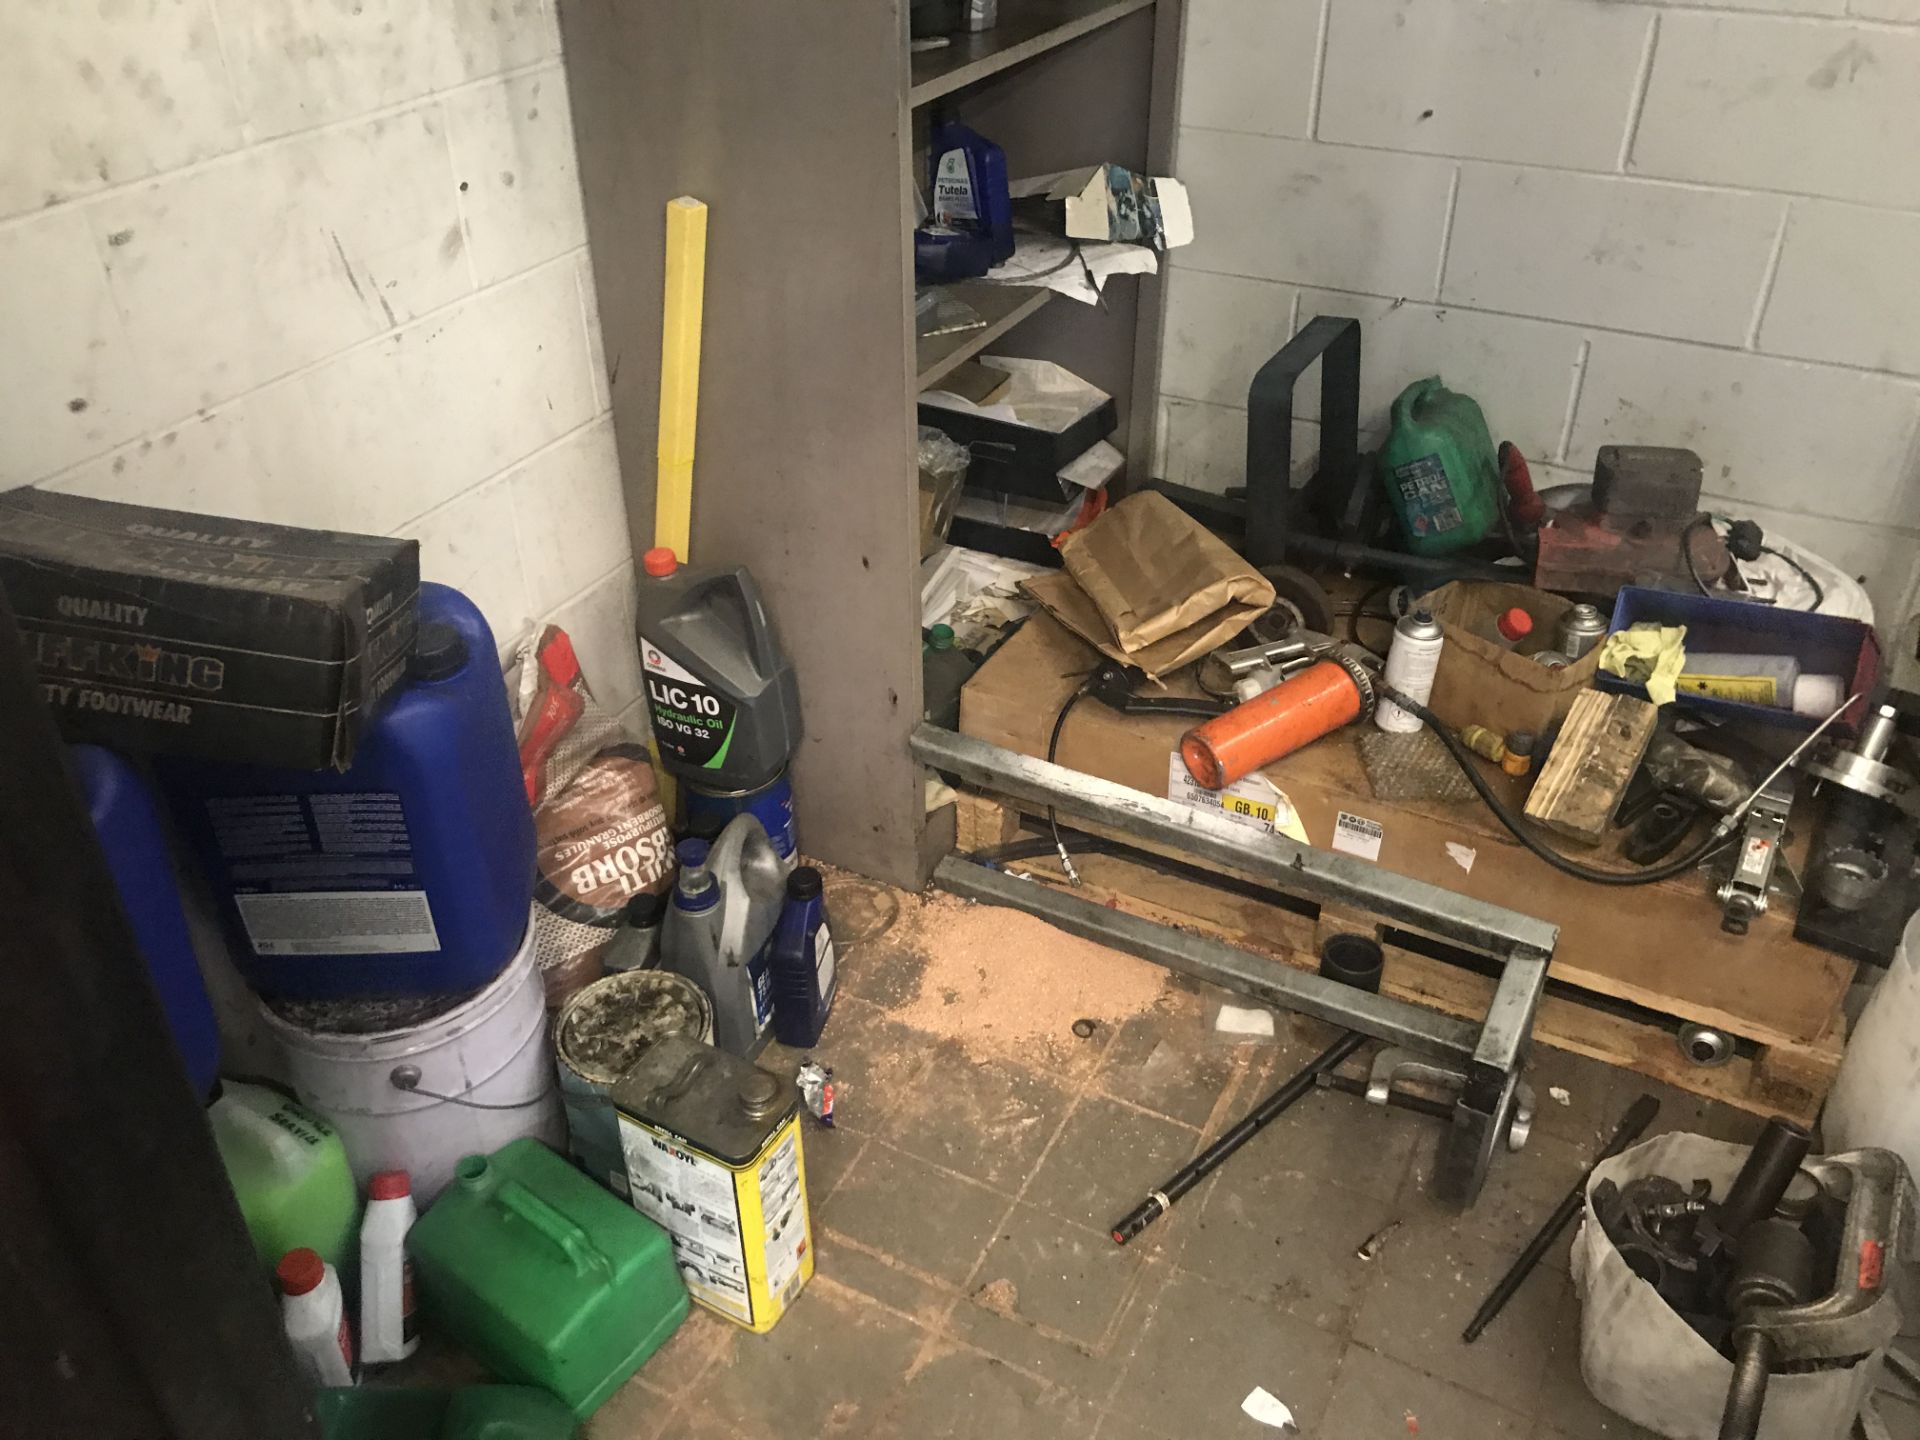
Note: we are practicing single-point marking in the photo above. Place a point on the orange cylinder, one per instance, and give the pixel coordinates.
(1274, 723)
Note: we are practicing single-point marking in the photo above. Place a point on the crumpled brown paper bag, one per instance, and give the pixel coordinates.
(1148, 585)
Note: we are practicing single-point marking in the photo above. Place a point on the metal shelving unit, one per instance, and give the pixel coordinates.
(797, 125)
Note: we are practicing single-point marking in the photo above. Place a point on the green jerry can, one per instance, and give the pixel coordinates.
(544, 1277)
(1440, 470)
(474, 1412)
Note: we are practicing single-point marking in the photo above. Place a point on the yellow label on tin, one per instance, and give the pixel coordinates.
(1746, 689)
(742, 1236)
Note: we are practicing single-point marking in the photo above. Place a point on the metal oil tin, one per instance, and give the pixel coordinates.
(713, 1153)
(1581, 628)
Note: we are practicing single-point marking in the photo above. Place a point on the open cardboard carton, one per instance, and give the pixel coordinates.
(1483, 683)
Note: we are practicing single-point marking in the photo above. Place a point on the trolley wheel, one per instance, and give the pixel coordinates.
(1298, 604)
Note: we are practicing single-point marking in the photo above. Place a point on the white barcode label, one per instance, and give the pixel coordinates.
(339, 922)
(1357, 835)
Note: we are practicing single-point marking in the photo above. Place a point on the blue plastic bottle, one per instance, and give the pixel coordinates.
(969, 226)
(120, 802)
(805, 979)
(410, 873)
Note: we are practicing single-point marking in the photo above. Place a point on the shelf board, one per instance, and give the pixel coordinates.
(1001, 306)
(1027, 28)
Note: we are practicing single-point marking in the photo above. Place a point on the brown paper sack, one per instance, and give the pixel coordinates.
(1148, 585)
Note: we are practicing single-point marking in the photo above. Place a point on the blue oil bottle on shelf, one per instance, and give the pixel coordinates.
(409, 873)
(800, 955)
(121, 804)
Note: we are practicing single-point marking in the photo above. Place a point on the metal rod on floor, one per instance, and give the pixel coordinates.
(1639, 1115)
(1158, 1202)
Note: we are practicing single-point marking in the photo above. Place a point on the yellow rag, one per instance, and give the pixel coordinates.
(1650, 653)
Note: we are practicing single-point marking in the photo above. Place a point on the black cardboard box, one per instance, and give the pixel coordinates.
(159, 631)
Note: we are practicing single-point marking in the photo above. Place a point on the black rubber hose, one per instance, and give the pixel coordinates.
(1464, 758)
(1053, 748)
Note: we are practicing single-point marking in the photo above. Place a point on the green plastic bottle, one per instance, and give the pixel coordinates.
(544, 1276)
(1439, 469)
(289, 1171)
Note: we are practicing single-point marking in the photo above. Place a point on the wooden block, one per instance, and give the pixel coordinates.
(1599, 748)
(1796, 1078)
(981, 822)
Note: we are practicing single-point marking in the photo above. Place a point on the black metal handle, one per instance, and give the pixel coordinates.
(1639, 1115)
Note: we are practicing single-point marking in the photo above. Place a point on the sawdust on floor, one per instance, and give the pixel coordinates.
(997, 980)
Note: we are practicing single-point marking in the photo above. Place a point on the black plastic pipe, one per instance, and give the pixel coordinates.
(1158, 1202)
(1639, 1115)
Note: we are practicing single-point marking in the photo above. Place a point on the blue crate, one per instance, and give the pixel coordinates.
(1823, 644)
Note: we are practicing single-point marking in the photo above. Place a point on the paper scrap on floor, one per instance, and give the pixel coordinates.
(1268, 1410)
(1244, 1020)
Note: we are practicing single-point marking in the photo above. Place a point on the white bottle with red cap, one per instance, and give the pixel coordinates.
(389, 1328)
(315, 1317)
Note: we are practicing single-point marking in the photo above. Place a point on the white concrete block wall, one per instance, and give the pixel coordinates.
(1608, 220)
(320, 263)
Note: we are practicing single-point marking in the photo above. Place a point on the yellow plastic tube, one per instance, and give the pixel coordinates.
(680, 372)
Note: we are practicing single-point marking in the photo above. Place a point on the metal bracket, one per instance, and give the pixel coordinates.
(1492, 1055)
(1395, 1065)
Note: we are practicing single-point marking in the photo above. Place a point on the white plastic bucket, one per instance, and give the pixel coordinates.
(1872, 1099)
(1643, 1362)
(491, 1049)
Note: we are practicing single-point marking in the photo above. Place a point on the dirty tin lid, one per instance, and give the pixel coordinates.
(717, 1102)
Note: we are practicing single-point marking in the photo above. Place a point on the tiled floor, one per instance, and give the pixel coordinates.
(967, 1286)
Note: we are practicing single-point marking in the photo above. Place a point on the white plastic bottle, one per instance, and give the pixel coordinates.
(315, 1317)
(389, 1327)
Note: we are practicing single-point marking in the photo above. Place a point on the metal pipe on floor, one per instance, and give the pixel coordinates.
(1639, 1115)
(1161, 1200)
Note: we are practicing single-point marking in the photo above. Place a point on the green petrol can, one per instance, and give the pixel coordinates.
(544, 1276)
(474, 1412)
(1440, 470)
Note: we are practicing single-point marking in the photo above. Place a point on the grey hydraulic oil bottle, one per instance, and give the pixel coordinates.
(721, 691)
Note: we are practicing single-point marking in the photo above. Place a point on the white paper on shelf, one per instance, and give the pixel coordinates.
(954, 579)
(1048, 260)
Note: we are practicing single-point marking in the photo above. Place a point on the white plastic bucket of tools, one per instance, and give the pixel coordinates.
(1642, 1361)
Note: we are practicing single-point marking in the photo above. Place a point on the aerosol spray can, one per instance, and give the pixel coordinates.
(1411, 662)
(1581, 628)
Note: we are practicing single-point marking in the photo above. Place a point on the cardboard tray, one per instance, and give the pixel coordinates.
(1014, 459)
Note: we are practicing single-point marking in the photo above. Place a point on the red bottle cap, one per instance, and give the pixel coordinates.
(300, 1271)
(659, 562)
(389, 1185)
(1515, 624)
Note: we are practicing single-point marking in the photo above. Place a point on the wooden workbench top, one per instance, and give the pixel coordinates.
(1658, 945)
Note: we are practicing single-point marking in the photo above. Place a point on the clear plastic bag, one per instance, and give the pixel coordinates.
(943, 468)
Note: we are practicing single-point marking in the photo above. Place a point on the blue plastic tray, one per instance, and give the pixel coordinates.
(1823, 644)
